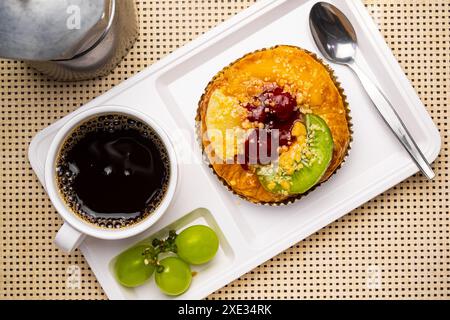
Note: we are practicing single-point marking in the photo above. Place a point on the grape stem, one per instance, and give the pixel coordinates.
(160, 246)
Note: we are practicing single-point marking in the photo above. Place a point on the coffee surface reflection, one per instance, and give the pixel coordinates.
(113, 171)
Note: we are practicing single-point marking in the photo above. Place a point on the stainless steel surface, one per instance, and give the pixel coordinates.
(45, 33)
(43, 30)
(337, 40)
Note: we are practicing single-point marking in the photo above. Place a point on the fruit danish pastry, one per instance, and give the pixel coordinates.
(274, 124)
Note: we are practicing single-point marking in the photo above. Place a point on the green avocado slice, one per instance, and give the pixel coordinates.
(315, 160)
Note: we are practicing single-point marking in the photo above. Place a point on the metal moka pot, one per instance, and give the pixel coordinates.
(68, 40)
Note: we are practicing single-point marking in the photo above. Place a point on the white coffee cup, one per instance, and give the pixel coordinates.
(75, 229)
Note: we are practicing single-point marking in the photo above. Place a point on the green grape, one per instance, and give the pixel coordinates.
(130, 268)
(197, 244)
(175, 278)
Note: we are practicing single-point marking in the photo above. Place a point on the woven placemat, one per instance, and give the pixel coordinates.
(395, 246)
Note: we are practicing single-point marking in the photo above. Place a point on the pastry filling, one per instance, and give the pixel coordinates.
(288, 150)
(274, 114)
(304, 164)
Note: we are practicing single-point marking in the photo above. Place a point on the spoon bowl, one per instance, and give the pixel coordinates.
(333, 33)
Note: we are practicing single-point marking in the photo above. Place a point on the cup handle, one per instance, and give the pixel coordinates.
(68, 238)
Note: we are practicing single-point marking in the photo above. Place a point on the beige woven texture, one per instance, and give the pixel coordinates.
(396, 246)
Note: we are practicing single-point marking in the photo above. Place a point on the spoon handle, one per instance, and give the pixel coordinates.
(393, 120)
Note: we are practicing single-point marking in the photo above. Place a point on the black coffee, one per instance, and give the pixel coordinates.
(113, 171)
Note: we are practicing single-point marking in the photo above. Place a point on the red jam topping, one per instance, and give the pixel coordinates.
(277, 110)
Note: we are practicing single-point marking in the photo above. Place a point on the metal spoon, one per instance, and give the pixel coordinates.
(336, 39)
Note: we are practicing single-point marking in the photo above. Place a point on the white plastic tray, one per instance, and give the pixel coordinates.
(169, 91)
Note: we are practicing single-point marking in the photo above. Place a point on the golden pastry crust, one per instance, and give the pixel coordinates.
(301, 74)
